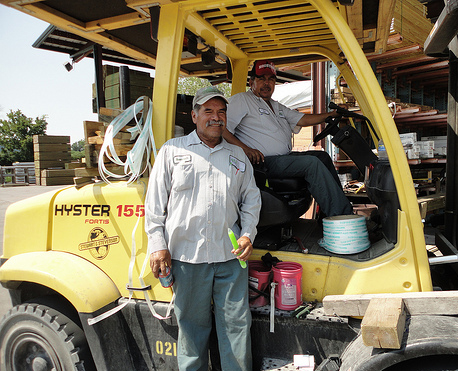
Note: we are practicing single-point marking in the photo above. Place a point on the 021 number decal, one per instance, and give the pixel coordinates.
(167, 348)
(131, 210)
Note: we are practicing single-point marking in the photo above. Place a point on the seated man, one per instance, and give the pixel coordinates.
(262, 127)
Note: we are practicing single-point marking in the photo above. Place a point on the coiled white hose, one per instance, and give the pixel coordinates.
(145, 142)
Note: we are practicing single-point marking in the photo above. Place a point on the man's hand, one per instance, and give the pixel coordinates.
(159, 260)
(254, 155)
(245, 248)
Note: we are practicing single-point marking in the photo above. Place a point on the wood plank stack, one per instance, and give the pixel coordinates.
(410, 21)
(140, 83)
(94, 136)
(343, 96)
(51, 153)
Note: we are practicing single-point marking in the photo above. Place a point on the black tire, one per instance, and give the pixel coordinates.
(432, 363)
(36, 337)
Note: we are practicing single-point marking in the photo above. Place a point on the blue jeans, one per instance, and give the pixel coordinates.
(323, 186)
(196, 287)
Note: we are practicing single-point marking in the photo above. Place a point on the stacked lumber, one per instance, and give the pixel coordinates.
(343, 96)
(410, 21)
(139, 84)
(378, 33)
(57, 176)
(51, 153)
(94, 136)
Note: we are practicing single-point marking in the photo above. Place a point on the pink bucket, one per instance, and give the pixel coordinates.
(258, 277)
(288, 293)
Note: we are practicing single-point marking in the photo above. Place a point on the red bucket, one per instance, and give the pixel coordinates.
(258, 278)
(288, 293)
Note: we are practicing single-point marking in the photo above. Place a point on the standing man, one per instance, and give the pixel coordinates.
(199, 187)
(263, 128)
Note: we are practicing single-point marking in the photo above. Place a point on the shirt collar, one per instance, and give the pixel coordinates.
(193, 139)
(259, 98)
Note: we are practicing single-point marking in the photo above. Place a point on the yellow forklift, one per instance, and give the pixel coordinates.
(76, 260)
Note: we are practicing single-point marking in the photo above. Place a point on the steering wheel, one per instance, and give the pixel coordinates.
(331, 128)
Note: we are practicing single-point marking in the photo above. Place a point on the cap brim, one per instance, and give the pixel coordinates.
(208, 97)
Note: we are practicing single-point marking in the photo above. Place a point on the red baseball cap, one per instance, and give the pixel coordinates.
(263, 67)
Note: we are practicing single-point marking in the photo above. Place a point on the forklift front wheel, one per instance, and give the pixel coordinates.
(37, 337)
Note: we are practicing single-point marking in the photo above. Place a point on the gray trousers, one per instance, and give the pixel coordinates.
(323, 182)
(196, 286)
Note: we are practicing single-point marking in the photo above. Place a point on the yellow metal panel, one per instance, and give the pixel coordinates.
(100, 223)
(79, 281)
(381, 114)
(27, 224)
(199, 26)
(346, 277)
(245, 22)
(337, 275)
(314, 273)
(239, 75)
(170, 44)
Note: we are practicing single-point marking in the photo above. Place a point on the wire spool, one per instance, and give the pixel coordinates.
(345, 234)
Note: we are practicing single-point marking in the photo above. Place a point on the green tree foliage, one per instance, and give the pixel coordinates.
(190, 85)
(78, 150)
(16, 137)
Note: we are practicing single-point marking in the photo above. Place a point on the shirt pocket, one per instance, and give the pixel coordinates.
(183, 177)
(233, 182)
(269, 123)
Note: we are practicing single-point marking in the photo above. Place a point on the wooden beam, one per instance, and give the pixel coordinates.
(430, 203)
(417, 303)
(384, 322)
(355, 20)
(113, 23)
(385, 15)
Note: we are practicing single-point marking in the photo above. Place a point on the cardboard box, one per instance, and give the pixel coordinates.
(440, 144)
(413, 153)
(426, 148)
(408, 139)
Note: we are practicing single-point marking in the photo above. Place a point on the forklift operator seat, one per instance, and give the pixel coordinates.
(283, 200)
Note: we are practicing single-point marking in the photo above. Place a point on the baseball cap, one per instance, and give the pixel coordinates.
(263, 67)
(205, 94)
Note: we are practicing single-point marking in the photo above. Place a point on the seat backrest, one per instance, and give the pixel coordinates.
(283, 200)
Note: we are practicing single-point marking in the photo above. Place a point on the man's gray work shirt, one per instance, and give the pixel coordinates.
(252, 121)
(195, 193)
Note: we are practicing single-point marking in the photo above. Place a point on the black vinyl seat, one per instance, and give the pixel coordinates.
(283, 200)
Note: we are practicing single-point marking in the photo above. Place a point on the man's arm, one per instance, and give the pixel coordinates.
(253, 155)
(314, 119)
(250, 208)
(237, 109)
(155, 214)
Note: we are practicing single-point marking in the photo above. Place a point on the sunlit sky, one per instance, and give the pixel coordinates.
(36, 81)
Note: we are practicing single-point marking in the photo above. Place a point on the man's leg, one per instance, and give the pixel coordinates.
(324, 158)
(321, 183)
(232, 316)
(193, 287)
